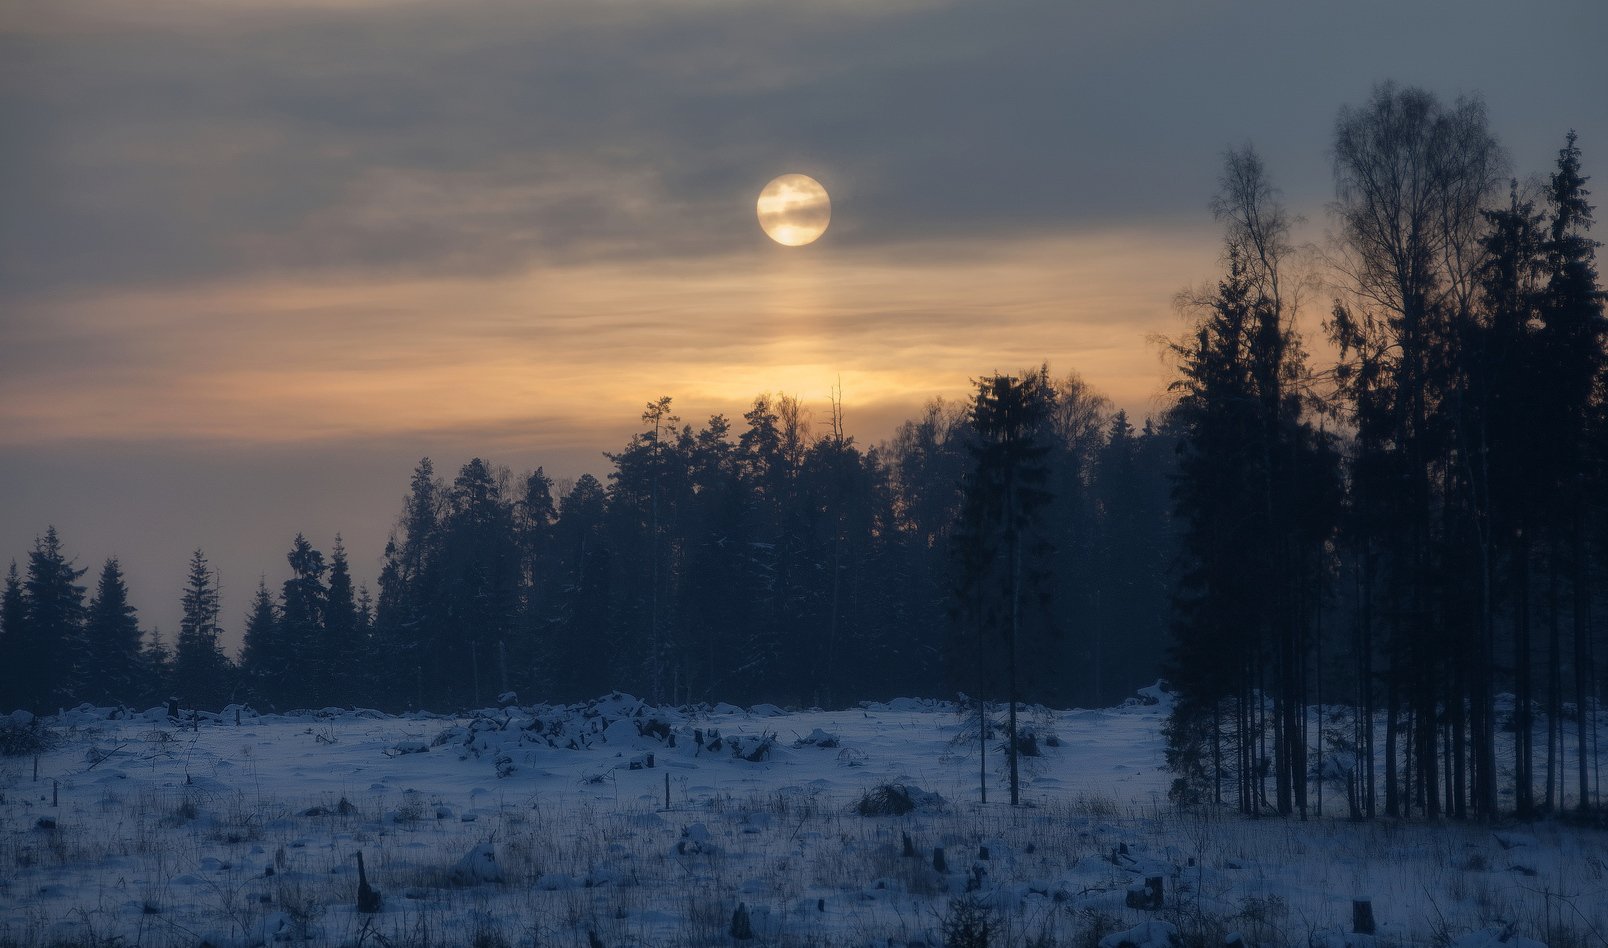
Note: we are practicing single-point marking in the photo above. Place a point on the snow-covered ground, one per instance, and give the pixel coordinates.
(618, 824)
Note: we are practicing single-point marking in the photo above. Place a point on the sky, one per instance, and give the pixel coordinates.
(257, 257)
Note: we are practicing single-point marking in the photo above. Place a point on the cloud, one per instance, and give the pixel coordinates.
(292, 359)
(174, 141)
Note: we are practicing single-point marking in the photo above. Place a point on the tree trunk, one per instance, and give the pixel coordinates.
(1554, 687)
(1582, 632)
(1523, 693)
(1016, 597)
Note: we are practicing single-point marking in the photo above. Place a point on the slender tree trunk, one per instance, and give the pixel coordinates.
(1217, 755)
(1365, 683)
(1016, 596)
(1523, 692)
(1242, 715)
(1393, 800)
(1582, 632)
(1554, 687)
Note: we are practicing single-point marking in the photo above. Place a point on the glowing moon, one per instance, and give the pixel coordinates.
(794, 210)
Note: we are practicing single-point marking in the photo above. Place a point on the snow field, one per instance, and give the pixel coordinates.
(491, 830)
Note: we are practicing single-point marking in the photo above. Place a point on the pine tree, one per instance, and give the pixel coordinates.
(1572, 340)
(13, 642)
(341, 650)
(394, 674)
(408, 583)
(303, 604)
(265, 663)
(1504, 368)
(51, 649)
(534, 517)
(1004, 494)
(112, 632)
(582, 646)
(201, 674)
(473, 604)
(156, 670)
(646, 483)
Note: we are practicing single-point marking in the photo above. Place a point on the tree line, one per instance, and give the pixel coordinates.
(783, 564)
(1374, 571)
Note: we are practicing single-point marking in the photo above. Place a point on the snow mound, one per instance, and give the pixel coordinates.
(1155, 695)
(1494, 938)
(478, 865)
(1150, 934)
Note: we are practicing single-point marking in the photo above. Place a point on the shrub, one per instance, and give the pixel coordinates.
(968, 923)
(895, 799)
(21, 735)
(887, 799)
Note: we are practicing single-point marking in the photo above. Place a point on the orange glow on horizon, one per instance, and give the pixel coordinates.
(282, 360)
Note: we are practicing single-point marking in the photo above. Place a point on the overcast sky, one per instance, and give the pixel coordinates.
(259, 256)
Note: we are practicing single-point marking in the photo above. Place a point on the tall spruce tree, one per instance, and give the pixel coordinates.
(51, 648)
(342, 649)
(1572, 336)
(1005, 493)
(202, 675)
(472, 609)
(581, 644)
(156, 670)
(13, 639)
(1503, 368)
(112, 633)
(303, 604)
(264, 661)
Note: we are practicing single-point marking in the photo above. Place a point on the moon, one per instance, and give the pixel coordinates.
(794, 210)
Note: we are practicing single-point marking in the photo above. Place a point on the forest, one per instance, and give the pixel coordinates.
(1382, 565)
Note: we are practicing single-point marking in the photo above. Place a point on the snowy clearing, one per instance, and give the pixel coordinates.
(549, 826)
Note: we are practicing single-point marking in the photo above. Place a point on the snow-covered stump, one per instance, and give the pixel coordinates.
(478, 865)
(741, 928)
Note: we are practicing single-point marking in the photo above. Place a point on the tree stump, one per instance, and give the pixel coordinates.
(1362, 919)
(368, 898)
(1148, 896)
(741, 928)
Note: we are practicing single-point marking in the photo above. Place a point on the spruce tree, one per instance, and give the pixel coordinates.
(394, 673)
(1573, 334)
(51, 651)
(303, 678)
(473, 606)
(1005, 492)
(156, 670)
(112, 633)
(581, 645)
(13, 639)
(264, 661)
(201, 673)
(1504, 369)
(342, 648)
